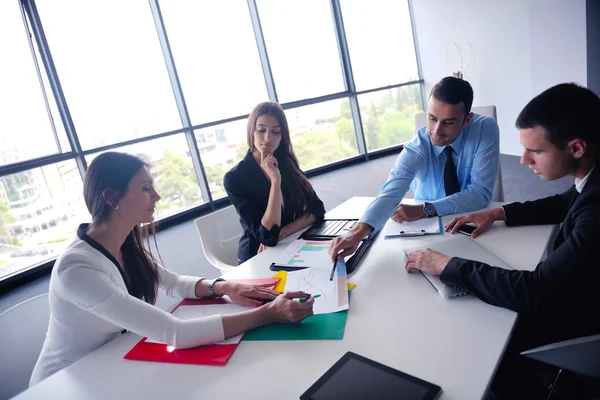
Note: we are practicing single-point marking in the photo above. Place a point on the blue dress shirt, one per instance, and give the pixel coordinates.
(421, 166)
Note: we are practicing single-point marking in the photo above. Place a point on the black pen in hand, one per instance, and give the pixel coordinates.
(333, 269)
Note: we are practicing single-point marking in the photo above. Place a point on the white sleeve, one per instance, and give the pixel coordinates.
(90, 288)
(174, 285)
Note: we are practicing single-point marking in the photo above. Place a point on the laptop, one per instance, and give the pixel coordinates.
(457, 246)
(328, 229)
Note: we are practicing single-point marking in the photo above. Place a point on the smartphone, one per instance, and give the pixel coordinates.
(466, 229)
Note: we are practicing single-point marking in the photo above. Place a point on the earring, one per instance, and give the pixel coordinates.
(116, 207)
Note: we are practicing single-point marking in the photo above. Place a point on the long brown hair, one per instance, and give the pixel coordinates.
(107, 176)
(296, 188)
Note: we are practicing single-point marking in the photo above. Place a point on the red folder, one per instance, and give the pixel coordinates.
(213, 354)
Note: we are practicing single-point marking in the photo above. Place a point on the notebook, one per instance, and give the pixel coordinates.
(457, 246)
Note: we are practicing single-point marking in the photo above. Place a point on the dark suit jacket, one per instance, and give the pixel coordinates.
(560, 299)
(248, 189)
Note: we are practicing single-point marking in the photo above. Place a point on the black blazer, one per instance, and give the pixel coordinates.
(248, 189)
(560, 299)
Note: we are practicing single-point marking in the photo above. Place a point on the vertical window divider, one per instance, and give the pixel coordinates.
(262, 50)
(38, 32)
(181, 104)
(344, 53)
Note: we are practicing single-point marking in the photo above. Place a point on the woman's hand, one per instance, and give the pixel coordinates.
(248, 295)
(270, 165)
(285, 310)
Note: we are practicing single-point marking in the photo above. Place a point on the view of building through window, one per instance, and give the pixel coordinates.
(116, 85)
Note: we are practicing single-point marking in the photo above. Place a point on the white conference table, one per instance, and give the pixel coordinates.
(395, 318)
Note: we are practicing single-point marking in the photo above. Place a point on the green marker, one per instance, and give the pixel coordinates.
(304, 299)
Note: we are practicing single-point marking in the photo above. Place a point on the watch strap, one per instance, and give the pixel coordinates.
(211, 286)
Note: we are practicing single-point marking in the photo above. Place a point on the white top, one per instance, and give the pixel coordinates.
(90, 306)
(580, 183)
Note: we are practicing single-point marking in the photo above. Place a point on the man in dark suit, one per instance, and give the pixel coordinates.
(560, 299)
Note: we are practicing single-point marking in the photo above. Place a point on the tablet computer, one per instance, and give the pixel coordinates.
(356, 377)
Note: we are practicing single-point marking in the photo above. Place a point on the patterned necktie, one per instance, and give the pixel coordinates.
(450, 177)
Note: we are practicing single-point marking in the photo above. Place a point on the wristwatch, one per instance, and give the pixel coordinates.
(429, 210)
(211, 286)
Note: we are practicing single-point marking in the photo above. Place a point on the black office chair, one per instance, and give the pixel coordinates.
(578, 361)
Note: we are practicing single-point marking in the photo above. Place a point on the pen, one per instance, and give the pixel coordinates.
(305, 299)
(333, 269)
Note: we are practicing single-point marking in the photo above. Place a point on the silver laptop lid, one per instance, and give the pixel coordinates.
(457, 246)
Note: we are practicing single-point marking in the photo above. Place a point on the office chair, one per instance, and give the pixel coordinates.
(220, 233)
(22, 332)
(580, 356)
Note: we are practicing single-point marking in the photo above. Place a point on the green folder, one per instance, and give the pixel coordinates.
(316, 327)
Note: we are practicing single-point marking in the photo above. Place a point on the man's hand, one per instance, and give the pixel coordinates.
(261, 248)
(428, 261)
(348, 243)
(407, 213)
(483, 220)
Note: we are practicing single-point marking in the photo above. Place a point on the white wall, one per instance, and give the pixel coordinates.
(520, 48)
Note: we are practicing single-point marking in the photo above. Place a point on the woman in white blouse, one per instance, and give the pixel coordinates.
(106, 281)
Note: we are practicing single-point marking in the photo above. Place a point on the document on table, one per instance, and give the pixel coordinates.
(333, 295)
(201, 311)
(420, 227)
(305, 253)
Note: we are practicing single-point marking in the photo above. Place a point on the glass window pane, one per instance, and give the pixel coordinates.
(40, 210)
(302, 48)
(174, 175)
(388, 115)
(221, 148)
(322, 133)
(26, 128)
(213, 66)
(111, 68)
(380, 42)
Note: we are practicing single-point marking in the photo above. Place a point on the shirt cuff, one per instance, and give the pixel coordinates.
(451, 275)
(442, 207)
(372, 222)
(509, 210)
(188, 286)
(268, 237)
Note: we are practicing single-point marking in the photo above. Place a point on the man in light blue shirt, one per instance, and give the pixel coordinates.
(452, 164)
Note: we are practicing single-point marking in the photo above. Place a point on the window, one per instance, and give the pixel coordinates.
(175, 179)
(322, 133)
(380, 42)
(111, 68)
(388, 115)
(302, 48)
(26, 125)
(216, 56)
(221, 148)
(40, 210)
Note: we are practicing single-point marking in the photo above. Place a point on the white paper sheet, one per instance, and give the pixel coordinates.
(316, 282)
(305, 253)
(419, 227)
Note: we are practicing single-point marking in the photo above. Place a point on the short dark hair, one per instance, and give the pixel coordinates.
(453, 90)
(566, 111)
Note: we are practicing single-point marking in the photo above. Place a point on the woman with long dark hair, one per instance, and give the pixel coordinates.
(271, 194)
(106, 280)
